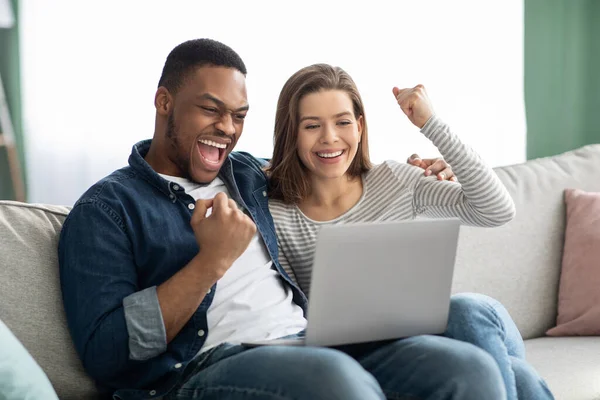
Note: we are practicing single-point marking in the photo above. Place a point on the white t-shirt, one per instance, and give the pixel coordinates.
(251, 302)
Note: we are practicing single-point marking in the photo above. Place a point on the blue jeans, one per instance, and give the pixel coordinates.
(484, 322)
(420, 367)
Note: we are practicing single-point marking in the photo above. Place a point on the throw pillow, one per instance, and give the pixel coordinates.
(579, 291)
(21, 378)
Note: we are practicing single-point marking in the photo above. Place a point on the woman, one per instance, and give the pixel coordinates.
(321, 174)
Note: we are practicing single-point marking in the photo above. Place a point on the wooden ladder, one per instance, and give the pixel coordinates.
(7, 140)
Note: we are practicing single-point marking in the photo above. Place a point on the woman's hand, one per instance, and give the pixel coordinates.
(415, 104)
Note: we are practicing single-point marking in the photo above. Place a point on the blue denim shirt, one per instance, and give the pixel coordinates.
(126, 235)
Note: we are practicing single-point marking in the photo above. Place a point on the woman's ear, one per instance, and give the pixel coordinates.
(359, 125)
(163, 101)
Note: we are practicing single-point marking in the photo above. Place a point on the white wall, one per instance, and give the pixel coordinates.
(90, 70)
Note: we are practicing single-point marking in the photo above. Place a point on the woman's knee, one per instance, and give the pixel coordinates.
(467, 303)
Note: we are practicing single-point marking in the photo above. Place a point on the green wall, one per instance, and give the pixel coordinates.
(562, 67)
(10, 70)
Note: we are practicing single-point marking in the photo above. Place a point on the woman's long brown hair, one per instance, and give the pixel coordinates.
(289, 179)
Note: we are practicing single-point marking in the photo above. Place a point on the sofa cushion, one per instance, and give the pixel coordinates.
(570, 365)
(579, 291)
(30, 297)
(520, 263)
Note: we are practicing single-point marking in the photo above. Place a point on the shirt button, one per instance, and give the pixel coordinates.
(152, 392)
(209, 290)
(264, 194)
(175, 187)
(201, 332)
(171, 196)
(191, 206)
(177, 366)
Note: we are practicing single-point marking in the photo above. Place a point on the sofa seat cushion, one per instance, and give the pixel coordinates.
(570, 365)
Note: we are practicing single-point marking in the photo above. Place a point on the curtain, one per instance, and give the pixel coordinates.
(10, 71)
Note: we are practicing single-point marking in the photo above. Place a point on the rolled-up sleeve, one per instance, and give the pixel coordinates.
(98, 272)
(145, 325)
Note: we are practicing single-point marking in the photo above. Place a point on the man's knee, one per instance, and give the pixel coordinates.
(452, 366)
(474, 372)
(474, 363)
(330, 374)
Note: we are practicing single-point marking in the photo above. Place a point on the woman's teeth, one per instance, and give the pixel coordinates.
(330, 155)
(213, 144)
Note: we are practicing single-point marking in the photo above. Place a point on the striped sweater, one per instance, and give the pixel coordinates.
(395, 191)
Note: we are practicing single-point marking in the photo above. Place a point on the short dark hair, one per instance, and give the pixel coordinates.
(195, 53)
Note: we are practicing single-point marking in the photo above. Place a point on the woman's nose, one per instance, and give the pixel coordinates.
(328, 134)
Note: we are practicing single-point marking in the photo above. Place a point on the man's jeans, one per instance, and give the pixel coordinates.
(491, 366)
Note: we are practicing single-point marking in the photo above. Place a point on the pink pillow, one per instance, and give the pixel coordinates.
(579, 292)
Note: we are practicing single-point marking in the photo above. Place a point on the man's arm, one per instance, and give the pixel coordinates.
(222, 238)
(97, 272)
(181, 295)
(115, 323)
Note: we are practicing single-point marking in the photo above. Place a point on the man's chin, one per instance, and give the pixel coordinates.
(204, 171)
(204, 176)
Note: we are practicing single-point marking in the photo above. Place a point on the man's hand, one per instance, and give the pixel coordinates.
(224, 235)
(433, 166)
(415, 104)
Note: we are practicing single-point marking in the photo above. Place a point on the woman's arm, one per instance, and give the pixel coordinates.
(480, 199)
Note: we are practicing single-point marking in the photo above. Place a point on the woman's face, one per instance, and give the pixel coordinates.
(328, 133)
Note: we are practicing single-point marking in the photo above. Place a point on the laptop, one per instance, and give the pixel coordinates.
(379, 281)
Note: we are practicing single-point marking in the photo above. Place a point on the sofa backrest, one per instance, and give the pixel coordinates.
(30, 297)
(519, 263)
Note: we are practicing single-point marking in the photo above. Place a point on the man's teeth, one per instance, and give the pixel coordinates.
(330, 155)
(213, 144)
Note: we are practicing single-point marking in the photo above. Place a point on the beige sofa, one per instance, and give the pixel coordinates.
(519, 264)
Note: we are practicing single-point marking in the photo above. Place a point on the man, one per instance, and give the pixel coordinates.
(168, 264)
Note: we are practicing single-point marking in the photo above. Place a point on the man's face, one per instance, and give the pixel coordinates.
(206, 121)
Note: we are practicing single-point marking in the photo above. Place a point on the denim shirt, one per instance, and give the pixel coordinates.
(126, 235)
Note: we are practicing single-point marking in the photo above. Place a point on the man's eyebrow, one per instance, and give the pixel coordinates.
(218, 102)
(338, 115)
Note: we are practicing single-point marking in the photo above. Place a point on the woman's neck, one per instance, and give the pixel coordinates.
(330, 198)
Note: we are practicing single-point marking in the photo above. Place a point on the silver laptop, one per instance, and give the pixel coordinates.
(378, 281)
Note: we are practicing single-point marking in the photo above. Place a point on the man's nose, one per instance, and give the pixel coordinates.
(225, 124)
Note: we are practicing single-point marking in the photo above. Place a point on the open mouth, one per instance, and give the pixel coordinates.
(330, 155)
(211, 151)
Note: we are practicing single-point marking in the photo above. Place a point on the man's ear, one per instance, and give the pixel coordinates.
(163, 101)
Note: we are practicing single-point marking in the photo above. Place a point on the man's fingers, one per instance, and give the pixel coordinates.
(446, 175)
(414, 160)
(220, 202)
(232, 204)
(437, 165)
(202, 206)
